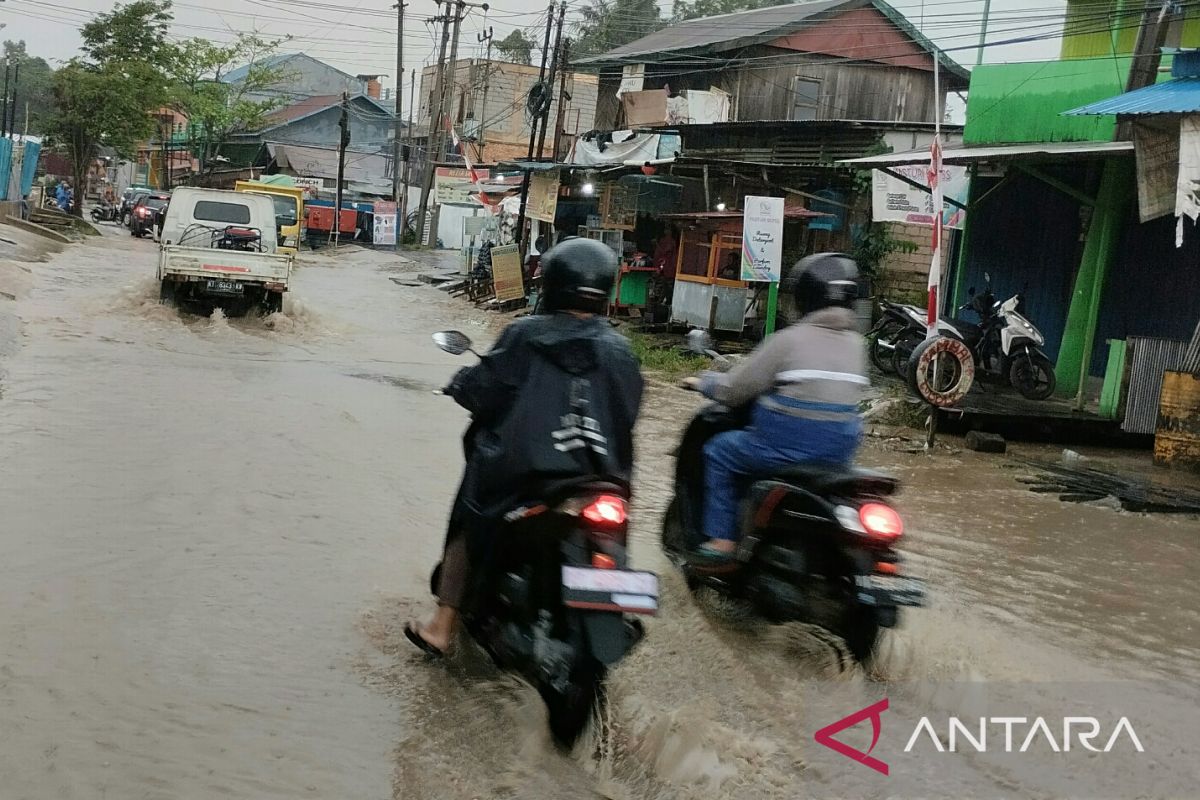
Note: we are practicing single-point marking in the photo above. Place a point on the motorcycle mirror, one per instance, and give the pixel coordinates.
(987, 278)
(699, 342)
(453, 342)
(971, 292)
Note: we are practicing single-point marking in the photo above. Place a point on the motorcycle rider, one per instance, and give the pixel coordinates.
(805, 381)
(556, 398)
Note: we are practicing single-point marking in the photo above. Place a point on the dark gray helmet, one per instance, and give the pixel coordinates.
(578, 275)
(823, 280)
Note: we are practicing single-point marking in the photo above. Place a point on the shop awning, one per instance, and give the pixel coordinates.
(1178, 96)
(965, 155)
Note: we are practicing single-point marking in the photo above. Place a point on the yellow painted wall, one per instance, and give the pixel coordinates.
(1097, 28)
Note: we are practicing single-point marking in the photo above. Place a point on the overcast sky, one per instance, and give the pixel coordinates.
(359, 36)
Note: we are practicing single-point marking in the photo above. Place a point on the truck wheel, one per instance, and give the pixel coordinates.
(273, 303)
(166, 292)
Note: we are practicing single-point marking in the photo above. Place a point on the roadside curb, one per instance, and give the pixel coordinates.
(33, 227)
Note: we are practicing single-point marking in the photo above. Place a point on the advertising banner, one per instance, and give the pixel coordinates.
(762, 239)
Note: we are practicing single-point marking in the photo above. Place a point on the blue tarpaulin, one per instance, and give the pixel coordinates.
(29, 162)
(6, 151)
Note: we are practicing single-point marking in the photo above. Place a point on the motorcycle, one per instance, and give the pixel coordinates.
(817, 542)
(105, 212)
(552, 606)
(1006, 345)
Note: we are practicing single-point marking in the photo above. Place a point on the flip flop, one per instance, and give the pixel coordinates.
(417, 639)
(707, 559)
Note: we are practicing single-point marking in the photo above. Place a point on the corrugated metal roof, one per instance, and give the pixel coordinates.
(1176, 96)
(239, 74)
(726, 32)
(969, 155)
(721, 32)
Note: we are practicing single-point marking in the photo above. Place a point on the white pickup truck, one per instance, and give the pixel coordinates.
(219, 249)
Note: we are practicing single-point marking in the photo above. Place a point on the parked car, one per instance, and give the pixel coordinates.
(129, 198)
(144, 216)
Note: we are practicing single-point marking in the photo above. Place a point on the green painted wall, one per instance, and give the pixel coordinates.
(1024, 102)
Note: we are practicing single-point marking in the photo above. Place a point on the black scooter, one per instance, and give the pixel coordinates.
(818, 542)
(105, 212)
(552, 606)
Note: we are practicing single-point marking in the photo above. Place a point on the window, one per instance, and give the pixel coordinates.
(806, 93)
(285, 209)
(228, 213)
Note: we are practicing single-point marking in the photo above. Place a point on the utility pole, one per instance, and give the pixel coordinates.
(399, 98)
(11, 109)
(343, 143)
(1147, 53)
(519, 234)
(554, 65)
(435, 121)
(487, 75)
(166, 175)
(562, 99)
(4, 114)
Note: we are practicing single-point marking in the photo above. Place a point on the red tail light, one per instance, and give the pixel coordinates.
(605, 510)
(881, 521)
(603, 561)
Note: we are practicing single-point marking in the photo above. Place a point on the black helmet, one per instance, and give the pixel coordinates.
(822, 280)
(578, 275)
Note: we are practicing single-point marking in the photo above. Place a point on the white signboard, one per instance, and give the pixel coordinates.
(385, 223)
(762, 239)
(312, 186)
(893, 200)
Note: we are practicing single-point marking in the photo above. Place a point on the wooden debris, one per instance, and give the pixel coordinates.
(1080, 484)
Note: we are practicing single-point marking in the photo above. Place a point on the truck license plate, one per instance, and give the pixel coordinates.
(610, 590)
(225, 287)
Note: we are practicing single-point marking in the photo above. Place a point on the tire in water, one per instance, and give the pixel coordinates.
(570, 712)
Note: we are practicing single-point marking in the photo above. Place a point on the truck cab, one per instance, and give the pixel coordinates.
(221, 248)
(289, 210)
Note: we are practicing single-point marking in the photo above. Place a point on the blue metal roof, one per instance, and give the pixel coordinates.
(1176, 96)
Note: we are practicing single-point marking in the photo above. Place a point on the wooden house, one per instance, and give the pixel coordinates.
(820, 60)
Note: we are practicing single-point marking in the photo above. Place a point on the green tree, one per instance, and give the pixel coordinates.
(102, 105)
(214, 107)
(710, 8)
(34, 89)
(608, 24)
(517, 47)
(106, 96)
(136, 32)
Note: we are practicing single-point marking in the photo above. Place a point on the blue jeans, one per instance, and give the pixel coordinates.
(773, 440)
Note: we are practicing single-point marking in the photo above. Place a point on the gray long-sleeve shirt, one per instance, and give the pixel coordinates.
(816, 369)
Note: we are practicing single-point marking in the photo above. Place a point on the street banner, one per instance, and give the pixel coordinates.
(893, 200)
(1157, 156)
(385, 223)
(762, 239)
(543, 196)
(507, 280)
(935, 268)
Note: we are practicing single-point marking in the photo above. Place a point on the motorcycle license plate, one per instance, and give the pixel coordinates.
(610, 590)
(889, 590)
(225, 287)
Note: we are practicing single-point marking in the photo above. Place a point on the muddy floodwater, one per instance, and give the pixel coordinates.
(213, 530)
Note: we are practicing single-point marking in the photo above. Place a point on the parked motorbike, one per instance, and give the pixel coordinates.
(1006, 345)
(105, 212)
(552, 606)
(817, 541)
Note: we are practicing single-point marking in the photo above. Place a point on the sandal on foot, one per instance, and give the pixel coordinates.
(414, 636)
(706, 556)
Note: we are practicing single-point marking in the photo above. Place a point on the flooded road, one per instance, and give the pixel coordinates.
(215, 529)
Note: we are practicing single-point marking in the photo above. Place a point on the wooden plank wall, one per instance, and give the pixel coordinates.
(762, 90)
